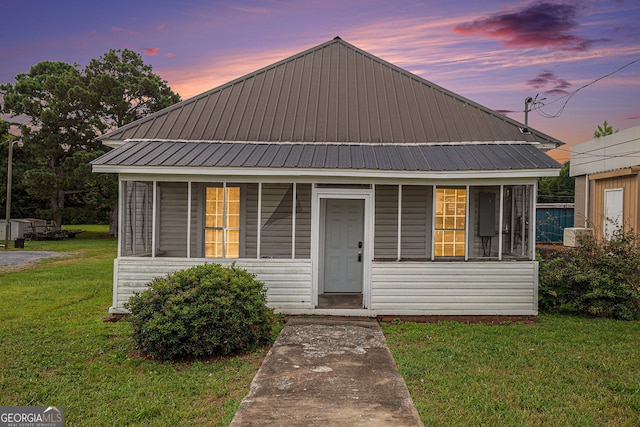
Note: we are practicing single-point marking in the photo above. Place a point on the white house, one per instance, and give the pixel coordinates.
(349, 186)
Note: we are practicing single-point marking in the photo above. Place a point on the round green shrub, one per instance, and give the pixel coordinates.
(202, 311)
(601, 278)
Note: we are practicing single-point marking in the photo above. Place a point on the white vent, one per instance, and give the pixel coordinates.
(574, 236)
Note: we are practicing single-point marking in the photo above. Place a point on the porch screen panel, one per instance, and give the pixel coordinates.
(303, 221)
(416, 216)
(450, 219)
(222, 222)
(386, 222)
(277, 219)
(484, 221)
(137, 219)
(516, 228)
(197, 220)
(172, 219)
(249, 229)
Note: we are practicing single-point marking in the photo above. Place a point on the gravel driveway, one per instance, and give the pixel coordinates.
(15, 259)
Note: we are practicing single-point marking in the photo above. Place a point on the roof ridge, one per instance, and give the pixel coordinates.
(371, 144)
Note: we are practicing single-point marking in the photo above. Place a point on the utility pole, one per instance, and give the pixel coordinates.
(7, 224)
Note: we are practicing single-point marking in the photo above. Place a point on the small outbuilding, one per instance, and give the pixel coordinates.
(348, 185)
(607, 194)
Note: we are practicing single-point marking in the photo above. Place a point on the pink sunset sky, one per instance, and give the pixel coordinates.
(496, 53)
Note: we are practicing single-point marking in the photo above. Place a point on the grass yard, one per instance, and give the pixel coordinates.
(55, 349)
(562, 371)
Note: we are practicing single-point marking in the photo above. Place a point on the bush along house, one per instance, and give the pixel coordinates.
(348, 185)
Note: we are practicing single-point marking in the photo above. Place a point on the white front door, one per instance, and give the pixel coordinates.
(343, 245)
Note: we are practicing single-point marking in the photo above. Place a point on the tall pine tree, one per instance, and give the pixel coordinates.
(66, 108)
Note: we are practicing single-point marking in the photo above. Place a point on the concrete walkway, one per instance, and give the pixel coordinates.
(329, 372)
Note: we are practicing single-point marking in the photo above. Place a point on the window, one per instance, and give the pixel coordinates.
(222, 222)
(450, 234)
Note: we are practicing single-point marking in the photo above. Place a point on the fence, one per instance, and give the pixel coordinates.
(551, 220)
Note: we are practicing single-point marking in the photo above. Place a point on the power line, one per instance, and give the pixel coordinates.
(538, 105)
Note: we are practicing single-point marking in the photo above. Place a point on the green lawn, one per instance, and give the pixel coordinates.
(561, 371)
(55, 349)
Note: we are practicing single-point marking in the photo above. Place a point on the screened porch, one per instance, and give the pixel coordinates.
(266, 220)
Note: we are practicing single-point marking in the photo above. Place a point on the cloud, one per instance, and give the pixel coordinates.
(170, 54)
(252, 10)
(549, 81)
(538, 25)
(123, 30)
(151, 51)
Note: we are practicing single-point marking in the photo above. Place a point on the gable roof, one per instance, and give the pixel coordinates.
(332, 93)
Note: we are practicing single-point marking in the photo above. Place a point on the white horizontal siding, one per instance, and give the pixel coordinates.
(461, 288)
(397, 288)
(288, 282)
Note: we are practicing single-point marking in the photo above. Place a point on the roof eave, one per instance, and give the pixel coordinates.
(318, 172)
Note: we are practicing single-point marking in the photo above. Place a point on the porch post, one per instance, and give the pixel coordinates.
(523, 233)
(467, 237)
(501, 223)
(433, 222)
(259, 231)
(121, 201)
(154, 212)
(224, 219)
(399, 249)
(532, 221)
(189, 219)
(372, 235)
(293, 223)
(134, 216)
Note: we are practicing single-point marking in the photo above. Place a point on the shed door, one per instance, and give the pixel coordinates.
(613, 203)
(343, 245)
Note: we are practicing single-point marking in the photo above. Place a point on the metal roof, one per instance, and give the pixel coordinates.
(334, 93)
(396, 157)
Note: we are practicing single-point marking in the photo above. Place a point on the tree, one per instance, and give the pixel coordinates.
(66, 109)
(603, 130)
(557, 189)
(123, 89)
(50, 95)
